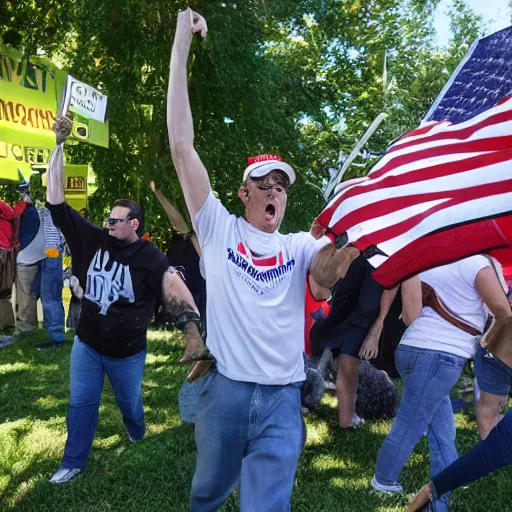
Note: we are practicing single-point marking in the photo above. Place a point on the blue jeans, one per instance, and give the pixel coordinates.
(51, 298)
(247, 432)
(489, 455)
(428, 377)
(87, 374)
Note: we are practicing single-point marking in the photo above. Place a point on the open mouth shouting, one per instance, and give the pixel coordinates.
(270, 212)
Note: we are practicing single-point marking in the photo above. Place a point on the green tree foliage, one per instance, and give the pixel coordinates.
(303, 79)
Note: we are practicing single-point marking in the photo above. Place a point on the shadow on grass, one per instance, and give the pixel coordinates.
(31, 381)
(155, 474)
(149, 475)
(337, 465)
(35, 384)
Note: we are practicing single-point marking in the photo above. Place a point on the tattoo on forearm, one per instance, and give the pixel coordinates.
(182, 314)
(192, 330)
(179, 304)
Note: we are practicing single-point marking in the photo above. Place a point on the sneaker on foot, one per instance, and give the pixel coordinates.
(356, 423)
(5, 341)
(64, 475)
(50, 344)
(377, 486)
(133, 440)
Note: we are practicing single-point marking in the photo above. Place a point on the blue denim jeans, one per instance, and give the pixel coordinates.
(247, 432)
(87, 374)
(428, 377)
(489, 455)
(51, 298)
(493, 376)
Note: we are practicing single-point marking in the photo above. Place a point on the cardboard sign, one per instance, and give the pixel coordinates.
(84, 100)
(29, 91)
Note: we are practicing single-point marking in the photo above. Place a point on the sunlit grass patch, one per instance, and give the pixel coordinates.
(317, 435)
(330, 400)
(22, 491)
(153, 359)
(323, 462)
(50, 402)
(350, 483)
(155, 474)
(108, 442)
(15, 367)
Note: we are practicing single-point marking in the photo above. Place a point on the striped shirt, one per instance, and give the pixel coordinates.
(52, 235)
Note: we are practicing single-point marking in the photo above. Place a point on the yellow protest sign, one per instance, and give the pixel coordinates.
(29, 93)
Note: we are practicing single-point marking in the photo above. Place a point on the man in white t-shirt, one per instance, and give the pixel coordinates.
(248, 424)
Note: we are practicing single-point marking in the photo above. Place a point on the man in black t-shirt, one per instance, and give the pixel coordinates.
(120, 276)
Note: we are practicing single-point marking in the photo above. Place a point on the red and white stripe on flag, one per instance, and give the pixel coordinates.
(425, 191)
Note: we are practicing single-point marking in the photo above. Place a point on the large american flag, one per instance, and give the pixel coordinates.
(444, 190)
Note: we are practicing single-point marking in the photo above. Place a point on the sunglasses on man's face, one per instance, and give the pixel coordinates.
(112, 221)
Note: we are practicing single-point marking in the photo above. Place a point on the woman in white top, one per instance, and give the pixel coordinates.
(430, 359)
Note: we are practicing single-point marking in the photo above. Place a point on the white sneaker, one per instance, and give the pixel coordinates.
(385, 488)
(64, 475)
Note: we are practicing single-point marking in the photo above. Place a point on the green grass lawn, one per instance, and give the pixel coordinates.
(155, 474)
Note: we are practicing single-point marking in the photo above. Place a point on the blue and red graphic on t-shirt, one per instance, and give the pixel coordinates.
(260, 274)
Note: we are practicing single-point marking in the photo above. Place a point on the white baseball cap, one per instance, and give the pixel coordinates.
(261, 165)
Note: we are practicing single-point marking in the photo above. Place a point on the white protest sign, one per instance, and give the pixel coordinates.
(84, 100)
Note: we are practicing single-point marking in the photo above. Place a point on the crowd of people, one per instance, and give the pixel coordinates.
(31, 250)
(273, 308)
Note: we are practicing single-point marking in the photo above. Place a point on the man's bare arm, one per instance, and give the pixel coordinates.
(180, 306)
(55, 176)
(191, 171)
(318, 292)
(370, 346)
(492, 293)
(331, 264)
(178, 223)
(412, 302)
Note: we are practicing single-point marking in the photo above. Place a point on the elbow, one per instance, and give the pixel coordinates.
(324, 281)
(410, 313)
(318, 292)
(503, 315)
(321, 293)
(180, 150)
(409, 317)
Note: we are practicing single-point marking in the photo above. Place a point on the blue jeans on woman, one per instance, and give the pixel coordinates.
(428, 376)
(87, 374)
(489, 455)
(248, 432)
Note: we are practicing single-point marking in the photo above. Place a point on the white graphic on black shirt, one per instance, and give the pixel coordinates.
(104, 287)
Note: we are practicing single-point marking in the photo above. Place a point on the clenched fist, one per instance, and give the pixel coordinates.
(190, 23)
(62, 128)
